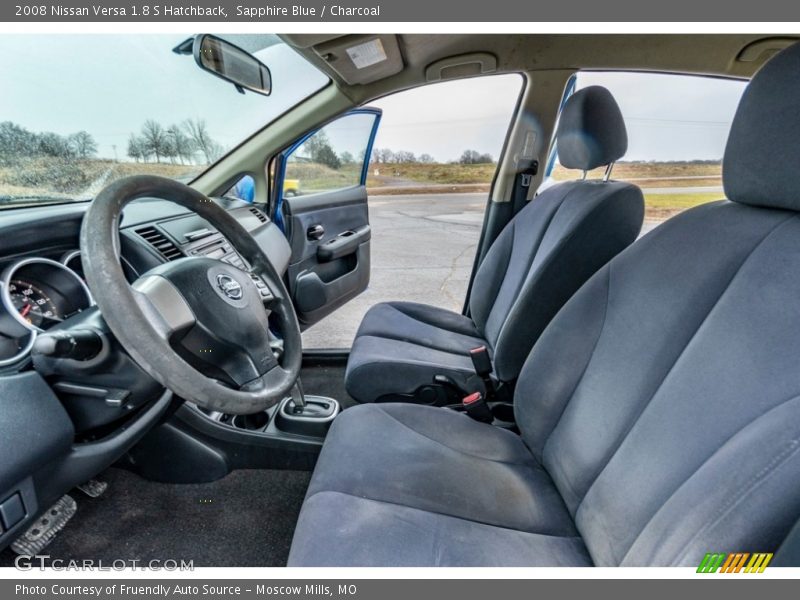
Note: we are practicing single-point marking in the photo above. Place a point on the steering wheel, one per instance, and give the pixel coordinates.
(198, 326)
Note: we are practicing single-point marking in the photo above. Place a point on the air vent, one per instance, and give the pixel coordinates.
(157, 240)
(261, 216)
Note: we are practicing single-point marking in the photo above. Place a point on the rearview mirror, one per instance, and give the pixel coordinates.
(231, 63)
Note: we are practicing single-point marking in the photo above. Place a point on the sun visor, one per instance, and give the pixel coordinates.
(360, 59)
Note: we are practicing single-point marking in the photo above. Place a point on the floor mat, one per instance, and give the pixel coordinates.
(245, 519)
(326, 380)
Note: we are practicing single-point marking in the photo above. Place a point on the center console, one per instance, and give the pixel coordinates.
(295, 415)
(196, 445)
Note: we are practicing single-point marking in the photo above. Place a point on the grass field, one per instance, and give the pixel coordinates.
(75, 179)
(315, 177)
(666, 174)
(67, 179)
(643, 171)
(660, 207)
(386, 175)
(431, 179)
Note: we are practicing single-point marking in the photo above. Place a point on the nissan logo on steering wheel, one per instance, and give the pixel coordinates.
(230, 287)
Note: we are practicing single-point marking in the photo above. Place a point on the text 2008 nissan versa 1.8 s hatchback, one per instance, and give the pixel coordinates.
(617, 386)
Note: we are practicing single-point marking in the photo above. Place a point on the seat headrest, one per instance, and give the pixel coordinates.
(591, 131)
(762, 157)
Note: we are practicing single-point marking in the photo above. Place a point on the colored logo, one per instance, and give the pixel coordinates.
(735, 562)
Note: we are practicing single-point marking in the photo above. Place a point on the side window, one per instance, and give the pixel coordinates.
(330, 159)
(677, 129)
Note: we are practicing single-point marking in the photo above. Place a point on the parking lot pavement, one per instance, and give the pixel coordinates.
(423, 247)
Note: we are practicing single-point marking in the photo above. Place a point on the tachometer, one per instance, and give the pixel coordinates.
(33, 305)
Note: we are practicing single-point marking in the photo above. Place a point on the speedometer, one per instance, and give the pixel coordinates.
(38, 293)
(33, 304)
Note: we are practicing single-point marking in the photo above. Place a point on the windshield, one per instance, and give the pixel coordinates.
(77, 112)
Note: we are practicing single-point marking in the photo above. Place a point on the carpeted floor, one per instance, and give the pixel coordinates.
(244, 519)
(326, 380)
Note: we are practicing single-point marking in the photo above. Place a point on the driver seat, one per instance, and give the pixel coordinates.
(659, 411)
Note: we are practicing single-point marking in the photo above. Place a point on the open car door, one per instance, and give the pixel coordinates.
(321, 205)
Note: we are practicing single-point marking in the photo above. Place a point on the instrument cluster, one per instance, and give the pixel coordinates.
(35, 295)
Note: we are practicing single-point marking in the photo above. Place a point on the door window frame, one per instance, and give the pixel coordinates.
(282, 160)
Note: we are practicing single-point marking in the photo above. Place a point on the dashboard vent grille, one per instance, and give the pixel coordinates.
(261, 216)
(157, 240)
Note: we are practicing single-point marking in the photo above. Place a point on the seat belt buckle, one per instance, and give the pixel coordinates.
(477, 408)
(481, 361)
(483, 369)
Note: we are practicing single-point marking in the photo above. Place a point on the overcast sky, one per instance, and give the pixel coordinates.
(447, 118)
(672, 116)
(669, 117)
(108, 86)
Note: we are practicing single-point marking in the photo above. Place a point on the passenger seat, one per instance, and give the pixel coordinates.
(547, 251)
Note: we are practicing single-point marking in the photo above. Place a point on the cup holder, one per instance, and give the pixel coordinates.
(254, 422)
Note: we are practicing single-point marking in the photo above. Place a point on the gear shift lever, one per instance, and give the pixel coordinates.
(310, 416)
(298, 398)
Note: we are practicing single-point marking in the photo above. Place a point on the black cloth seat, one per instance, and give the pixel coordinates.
(659, 411)
(464, 494)
(542, 256)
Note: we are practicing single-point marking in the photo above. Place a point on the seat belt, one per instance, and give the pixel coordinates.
(527, 167)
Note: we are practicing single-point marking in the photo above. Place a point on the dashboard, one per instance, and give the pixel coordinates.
(41, 274)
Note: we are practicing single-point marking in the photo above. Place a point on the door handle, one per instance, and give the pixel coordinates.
(344, 244)
(315, 232)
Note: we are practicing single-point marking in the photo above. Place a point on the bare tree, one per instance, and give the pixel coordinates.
(426, 159)
(155, 139)
(215, 151)
(52, 144)
(404, 156)
(203, 142)
(183, 147)
(473, 157)
(136, 148)
(16, 142)
(318, 148)
(82, 144)
(382, 155)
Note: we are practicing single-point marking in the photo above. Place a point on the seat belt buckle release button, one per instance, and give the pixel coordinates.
(472, 398)
(477, 408)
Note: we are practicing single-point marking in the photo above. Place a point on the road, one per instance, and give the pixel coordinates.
(423, 247)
